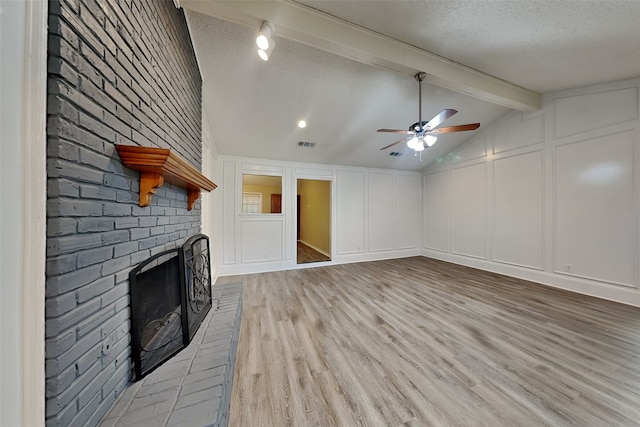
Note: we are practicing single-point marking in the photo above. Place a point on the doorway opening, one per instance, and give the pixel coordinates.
(313, 221)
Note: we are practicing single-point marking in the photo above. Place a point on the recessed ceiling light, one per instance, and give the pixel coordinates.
(302, 124)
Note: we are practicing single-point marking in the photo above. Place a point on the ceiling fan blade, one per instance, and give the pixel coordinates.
(459, 128)
(440, 118)
(394, 143)
(407, 132)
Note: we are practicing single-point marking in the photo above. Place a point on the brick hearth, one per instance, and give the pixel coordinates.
(194, 387)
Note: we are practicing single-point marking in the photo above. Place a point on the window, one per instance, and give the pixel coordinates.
(251, 202)
(261, 194)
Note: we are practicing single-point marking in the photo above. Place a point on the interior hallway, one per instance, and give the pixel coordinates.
(307, 254)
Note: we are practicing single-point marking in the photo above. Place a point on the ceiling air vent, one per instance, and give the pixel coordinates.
(306, 144)
(395, 154)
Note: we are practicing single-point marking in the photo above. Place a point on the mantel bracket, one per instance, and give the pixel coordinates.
(149, 183)
(157, 165)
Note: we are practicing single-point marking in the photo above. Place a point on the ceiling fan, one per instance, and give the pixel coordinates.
(421, 134)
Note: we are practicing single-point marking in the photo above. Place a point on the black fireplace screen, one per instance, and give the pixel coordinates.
(170, 296)
(197, 281)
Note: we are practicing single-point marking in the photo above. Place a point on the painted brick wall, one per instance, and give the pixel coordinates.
(119, 72)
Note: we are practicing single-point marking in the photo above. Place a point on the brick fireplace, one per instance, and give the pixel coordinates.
(119, 72)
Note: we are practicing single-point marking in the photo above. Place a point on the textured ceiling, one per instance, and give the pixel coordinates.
(544, 46)
(253, 106)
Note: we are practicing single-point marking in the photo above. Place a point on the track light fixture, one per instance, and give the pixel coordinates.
(264, 40)
(265, 54)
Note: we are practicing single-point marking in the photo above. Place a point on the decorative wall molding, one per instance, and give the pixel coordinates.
(596, 110)
(586, 142)
(350, 201)
(518, 132)
(518, 186)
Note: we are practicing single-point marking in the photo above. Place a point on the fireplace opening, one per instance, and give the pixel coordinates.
(157, 319)
(170, 297)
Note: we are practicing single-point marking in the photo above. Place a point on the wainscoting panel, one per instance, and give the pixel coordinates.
(407, 216)
(578, 114)
(474, 149)
(515, 132)
(436, 211)
(380, 228)
(518, 210)
(262, 169)
(350, 188)
(562, 195)
(229, 214)
(375, 214)
(288, 206)
(313, 173)
(595, 223)
(261, 240)
(469, 210)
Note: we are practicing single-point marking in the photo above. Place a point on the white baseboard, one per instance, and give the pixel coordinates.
(621, 294)
(607, 291)
(291, 264)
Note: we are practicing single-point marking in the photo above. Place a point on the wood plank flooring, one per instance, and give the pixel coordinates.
(420, 342)
(306, 254)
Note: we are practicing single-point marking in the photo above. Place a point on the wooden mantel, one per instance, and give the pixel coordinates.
(157, 165)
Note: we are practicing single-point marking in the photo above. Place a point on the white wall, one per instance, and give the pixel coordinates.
(209, 200)
(551, 196)
(22, 211)
(375, 214)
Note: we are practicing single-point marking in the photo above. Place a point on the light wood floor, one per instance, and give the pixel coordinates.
(306, 254)
(421, 342)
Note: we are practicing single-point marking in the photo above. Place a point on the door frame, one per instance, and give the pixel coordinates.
(24, 66)
(332, 216)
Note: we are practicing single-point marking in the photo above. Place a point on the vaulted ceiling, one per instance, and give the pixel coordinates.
(346, 67)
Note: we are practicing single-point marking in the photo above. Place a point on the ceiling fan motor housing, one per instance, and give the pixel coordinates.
(417, 127)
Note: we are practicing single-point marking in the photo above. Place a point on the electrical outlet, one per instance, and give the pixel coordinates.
(106, 348)
(108, 343)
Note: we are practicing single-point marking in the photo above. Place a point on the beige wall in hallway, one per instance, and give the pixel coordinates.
(266, 191)
(315, 214)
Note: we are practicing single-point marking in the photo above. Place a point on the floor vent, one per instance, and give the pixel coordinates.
(306, 144)
(395, 154)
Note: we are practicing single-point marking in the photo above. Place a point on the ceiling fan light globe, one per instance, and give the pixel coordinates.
(412, 143)
(419, 145)
(430, 140)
